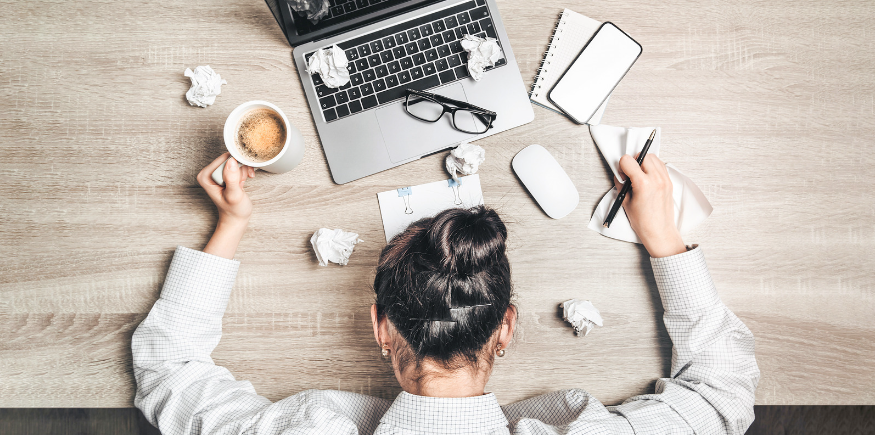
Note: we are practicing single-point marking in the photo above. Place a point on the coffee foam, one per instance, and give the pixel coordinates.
(261, 135)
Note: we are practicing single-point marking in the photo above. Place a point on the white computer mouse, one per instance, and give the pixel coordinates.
(546, 181)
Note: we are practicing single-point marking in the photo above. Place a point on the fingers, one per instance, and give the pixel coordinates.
(233, 176)
(630, 167)
(204, 176)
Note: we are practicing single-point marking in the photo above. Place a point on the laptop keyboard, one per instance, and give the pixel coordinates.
(420, 54)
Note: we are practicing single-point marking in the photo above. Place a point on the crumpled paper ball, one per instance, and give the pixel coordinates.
(331, 64)
(333, 245)
(205, 85)
(482, 53)
(465, 159)
(582, 315)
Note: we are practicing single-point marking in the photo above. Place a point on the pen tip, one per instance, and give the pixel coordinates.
(605, 225)
(652, 135)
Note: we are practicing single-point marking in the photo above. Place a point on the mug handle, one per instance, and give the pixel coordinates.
(217, 174)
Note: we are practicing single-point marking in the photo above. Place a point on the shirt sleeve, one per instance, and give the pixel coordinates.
(714, 373)
(179, 388)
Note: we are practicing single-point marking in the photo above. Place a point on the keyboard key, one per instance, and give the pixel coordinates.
(426, 30)
(354, 93)
(329, 115)
(479, 13)
(411, 48)
(448, 36)
(487, 27)
(351, 67)
(361, 64)
(366, 89)
(454, 61)
(391, 81)
(349, 7)
(336, 10)
(341, 98)
(416, 73)
(404, 76)
(401, 38)
(394, 67)
(377, 46)
(481, 35)
(364, 50)
(428, 69)
(374, 60)
(463, 18)
(361, 3)
(386, 56)
(474, 28)
(414, 34)
(431, 55)
(407, 62)
(382, 71)
(327, 102)
(438, 26)
(400, 91)
(481, 2)
(460, 31)
(323, 90)
(356, 79)
(451, 22)
(346, 86)
(342, 111)
(435, 40)
(369, 102)
(352, 54)
(317, 79)
(461, 71)
(444, 50)
(456, 47)
(355, 106)
(399, 52)
(442, 65)
(419, 59)
(369, 75)
(388, 42)
(446, 76)
(379, 85)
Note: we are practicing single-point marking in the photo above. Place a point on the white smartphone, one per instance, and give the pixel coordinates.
(591, 78)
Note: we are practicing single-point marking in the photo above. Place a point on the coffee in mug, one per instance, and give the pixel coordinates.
(261, 134)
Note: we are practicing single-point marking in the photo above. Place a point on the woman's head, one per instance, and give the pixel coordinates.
(444, 285)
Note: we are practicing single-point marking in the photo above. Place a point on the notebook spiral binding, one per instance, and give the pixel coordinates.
(554, 39)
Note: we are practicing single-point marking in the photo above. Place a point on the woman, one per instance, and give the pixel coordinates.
(442, 314)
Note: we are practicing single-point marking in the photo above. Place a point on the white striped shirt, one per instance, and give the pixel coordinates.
(710, 389)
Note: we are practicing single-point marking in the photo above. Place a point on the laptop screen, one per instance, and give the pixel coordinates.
(342, 15)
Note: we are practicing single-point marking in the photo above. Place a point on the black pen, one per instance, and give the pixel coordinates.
(627, 186)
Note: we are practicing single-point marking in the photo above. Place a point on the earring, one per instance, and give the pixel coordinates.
(500, 352)
(385, 351)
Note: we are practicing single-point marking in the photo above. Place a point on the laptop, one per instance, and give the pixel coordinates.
(392, 46)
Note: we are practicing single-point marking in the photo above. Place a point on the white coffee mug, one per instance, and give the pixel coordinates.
(289, 157)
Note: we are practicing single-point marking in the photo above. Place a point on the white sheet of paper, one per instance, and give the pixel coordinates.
(403, 206)
(690, 204)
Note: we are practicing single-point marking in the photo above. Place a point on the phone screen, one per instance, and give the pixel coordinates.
(602, 63)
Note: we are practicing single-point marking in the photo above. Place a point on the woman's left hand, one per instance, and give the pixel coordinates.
(233, 204)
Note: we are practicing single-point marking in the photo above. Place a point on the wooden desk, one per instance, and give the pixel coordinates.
(768, 106)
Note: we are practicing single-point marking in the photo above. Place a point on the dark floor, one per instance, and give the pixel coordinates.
(789, 420)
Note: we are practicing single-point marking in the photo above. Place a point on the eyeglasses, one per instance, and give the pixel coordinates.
(466, 118)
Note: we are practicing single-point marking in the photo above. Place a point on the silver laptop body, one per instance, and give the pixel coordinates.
(383, 136)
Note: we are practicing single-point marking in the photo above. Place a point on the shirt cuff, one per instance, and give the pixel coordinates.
(199, 280)
(684, 281)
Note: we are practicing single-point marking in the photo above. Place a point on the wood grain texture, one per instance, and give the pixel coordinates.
(768, 106)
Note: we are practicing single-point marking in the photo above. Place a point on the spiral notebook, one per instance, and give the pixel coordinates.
(572, 32)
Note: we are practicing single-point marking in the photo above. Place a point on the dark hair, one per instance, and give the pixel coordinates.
(444, 283)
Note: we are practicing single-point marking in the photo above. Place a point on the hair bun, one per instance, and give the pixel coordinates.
(467, 240)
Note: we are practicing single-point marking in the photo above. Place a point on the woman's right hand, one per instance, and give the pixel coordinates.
(650, 207)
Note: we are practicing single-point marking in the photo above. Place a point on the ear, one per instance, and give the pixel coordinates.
(381, 327)
(505, 335)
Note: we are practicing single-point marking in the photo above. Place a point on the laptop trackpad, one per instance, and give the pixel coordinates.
(407, 137)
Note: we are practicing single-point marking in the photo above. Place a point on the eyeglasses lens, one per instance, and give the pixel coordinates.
(424, 108)
(471, 122)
